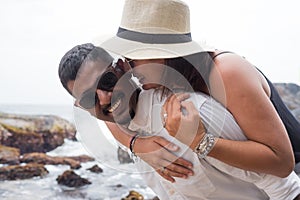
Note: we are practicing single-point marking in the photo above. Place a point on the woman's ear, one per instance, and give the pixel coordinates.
(121, 65)
(126, 65)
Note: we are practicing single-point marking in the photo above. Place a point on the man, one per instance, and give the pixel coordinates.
(79, 73)
(97, 78)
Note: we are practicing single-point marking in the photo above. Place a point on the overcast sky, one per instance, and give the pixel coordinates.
(36, 33)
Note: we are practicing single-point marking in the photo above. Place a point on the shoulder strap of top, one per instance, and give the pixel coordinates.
(220, 54)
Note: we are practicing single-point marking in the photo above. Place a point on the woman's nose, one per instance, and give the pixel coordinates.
(104, 97)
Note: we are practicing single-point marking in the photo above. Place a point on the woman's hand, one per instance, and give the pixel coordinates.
(183, 120)
(157, 152)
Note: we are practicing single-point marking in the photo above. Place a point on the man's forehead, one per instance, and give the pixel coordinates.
(87, 75)
(92, 67)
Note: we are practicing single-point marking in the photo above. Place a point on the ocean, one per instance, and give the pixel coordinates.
(112, 184)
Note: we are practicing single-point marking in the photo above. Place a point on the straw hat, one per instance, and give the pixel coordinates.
(154, 29)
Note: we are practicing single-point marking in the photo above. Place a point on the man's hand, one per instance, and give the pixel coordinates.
(157, 152)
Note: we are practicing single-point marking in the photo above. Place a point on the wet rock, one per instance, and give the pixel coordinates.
(25, 141)
(290, 94)
(124, 157)
(96, 169)
(45, 159)
(34, 133)
(71, 179)
(155, 198)
(4, 134)
(296, 113)
(133, 195)
(297, 168)
(40, 124)
(9, 155)
(14, 172)
(81, 158)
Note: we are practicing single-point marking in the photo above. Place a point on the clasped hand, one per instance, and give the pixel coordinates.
(186, 127)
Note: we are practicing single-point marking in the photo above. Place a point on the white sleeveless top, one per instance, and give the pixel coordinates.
(213, 179)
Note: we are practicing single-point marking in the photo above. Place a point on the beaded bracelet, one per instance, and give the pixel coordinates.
(205, 146)
(132, 141)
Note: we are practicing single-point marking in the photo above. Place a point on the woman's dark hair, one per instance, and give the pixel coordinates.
(195, 69)
(75, 57)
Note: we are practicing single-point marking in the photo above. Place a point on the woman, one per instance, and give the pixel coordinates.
(155, 36)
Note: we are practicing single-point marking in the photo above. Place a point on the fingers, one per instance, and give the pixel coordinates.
(172, 112)
(190, 108)
(167, 177)
(183, 162)
(166, 144)
(176, 163)
(157, 153)
(179, 97)
(173, 170)
(173, 101)
(182, 96)
(161, 150)
(179, 171)
(188, 105)
(172, 173)
(172, 105)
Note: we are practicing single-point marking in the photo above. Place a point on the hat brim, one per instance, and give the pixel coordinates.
(139, 50)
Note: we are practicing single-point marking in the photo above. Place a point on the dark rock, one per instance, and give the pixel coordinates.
(4, 134)
(96, 169)
(155, 198)
(71, 179)
(81, 158)
(9, 155)
(34, 133)
(14, 172)
(296, 113)
(45, 159)
(297, 168)
(133, 195)
(290, 94)
(25, 141)
(40, 123)
(124, 157)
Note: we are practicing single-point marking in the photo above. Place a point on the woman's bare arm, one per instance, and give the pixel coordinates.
(237, 85)
(246, 97)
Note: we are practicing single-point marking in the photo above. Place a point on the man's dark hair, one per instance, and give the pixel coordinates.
(75, 57)
(71, 62)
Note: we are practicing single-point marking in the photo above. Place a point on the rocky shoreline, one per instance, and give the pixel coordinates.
(26, 139)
